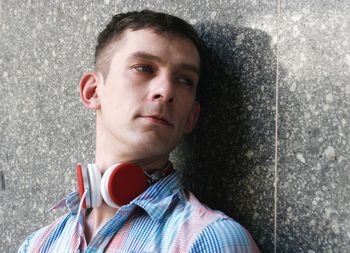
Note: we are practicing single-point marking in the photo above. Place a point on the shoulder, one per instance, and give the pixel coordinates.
(38, 238)
(223, 235)
(213, 231)
(29, 242)
(26, 245)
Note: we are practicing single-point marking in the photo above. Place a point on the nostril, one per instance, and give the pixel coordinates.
(160, 97)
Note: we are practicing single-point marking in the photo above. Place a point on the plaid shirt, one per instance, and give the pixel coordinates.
(165, 218)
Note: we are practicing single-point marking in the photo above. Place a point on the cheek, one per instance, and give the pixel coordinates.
(184, 114)
(132, 77)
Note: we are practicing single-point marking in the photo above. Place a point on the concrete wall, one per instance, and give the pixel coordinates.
(255, 48)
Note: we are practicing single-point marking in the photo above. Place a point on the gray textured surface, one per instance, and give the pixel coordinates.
(314, 178)
(229, 160)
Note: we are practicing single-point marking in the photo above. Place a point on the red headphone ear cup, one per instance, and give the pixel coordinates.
(125, 183)
(81, 184)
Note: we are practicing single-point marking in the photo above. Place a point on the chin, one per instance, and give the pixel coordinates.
(154, 148)
(153, 142)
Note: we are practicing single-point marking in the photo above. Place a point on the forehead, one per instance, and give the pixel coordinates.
(170, 47)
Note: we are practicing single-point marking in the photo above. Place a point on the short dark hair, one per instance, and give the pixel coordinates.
(161, 23)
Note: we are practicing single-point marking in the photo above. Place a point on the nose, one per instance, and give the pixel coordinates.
(163, 90)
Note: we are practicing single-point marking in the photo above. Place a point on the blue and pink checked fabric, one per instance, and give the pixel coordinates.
(165, 218)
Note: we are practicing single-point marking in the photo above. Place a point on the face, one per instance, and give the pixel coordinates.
(147, 100)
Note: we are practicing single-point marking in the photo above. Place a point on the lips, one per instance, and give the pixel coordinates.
(158, 119)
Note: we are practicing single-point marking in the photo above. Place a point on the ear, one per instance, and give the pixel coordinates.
(88, 89)
(193, 118)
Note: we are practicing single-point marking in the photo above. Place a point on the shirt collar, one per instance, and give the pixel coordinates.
(158, 197)
(155, 200)
(71, 202)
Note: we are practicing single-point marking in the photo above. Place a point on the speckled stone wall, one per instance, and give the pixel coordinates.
(298, 50)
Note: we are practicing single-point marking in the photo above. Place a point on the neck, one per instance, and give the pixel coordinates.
(110, 151)
(107, 154)
(105, 160)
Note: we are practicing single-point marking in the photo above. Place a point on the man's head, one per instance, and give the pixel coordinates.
(161, 23)
(144, 86)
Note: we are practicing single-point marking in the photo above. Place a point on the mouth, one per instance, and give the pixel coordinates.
(157, 119)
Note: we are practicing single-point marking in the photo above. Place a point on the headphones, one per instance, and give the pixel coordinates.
(118, 186)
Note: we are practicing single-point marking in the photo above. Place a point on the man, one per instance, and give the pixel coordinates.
(143, 90)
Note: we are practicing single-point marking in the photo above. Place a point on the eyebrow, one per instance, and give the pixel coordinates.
(151, 57)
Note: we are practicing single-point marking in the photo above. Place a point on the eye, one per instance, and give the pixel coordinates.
(185, 81)
(144, 68)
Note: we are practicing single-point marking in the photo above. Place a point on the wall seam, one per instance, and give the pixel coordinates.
(276, 127)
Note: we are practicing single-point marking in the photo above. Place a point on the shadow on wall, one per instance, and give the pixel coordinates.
(228, 160)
